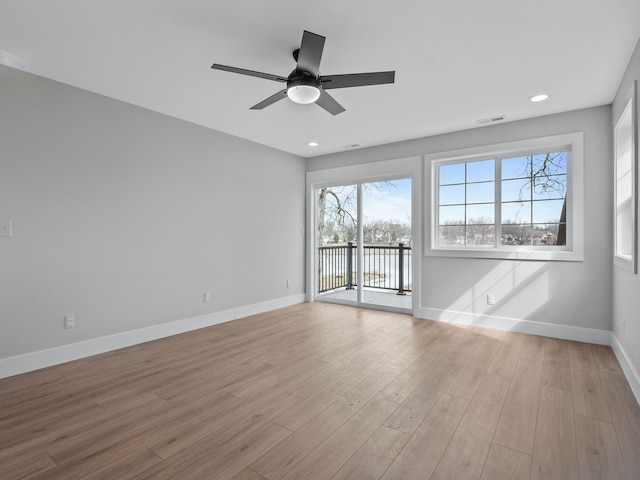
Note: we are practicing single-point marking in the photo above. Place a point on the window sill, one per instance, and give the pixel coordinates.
(508, 254)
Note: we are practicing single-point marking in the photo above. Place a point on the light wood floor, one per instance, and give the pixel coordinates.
(321, 391)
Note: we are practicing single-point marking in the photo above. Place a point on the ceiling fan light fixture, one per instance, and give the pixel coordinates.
(303, 94)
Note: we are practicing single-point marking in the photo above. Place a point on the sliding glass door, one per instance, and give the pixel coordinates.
(387, 243)
(363, 243)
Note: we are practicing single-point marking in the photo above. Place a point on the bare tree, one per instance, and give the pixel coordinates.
(338, 206)
(548, 174)
(516, 233)
(452, 232)
(384, 232)
(480, 231)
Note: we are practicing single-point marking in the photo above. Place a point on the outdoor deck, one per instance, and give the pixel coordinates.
(383, 298)
(386, 272)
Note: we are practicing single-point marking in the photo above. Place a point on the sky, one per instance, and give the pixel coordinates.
(390, 200)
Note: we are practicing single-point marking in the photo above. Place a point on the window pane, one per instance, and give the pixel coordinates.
(544, 180)
(550, 163)
(624, 187)
(451, 235)
(516, 190)
(451, 173)
(449, 215)
(516, 167)
(516, 212)
(480, 192)
(549, 187)
(516, 234)
(480, 213)
(547, 211)
(452, 194)
(481, 235)
(624, 232)
(480, 171)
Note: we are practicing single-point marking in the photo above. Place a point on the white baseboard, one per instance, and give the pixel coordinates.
(66, 353)
(579, 334)
(627, 367)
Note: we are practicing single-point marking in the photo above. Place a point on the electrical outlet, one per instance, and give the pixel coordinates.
(69, 321)
(206, 298)
(491, 299)
(288, 283)
(624, 324)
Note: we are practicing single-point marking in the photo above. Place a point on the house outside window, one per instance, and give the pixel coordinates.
(520, 200)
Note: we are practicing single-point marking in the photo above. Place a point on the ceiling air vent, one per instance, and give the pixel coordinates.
(486, 121)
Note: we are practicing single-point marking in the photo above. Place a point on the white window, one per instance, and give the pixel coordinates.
(625, 231)
(520, 200)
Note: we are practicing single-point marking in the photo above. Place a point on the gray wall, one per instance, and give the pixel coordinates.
(566, 293)
(626, 286)
(125, 217)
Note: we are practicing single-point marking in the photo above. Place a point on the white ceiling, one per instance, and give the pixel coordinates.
(456, 61)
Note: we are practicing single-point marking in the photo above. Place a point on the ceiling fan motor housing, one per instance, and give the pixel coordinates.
(299, 77)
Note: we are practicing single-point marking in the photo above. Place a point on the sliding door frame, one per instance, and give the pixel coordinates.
(366, 173)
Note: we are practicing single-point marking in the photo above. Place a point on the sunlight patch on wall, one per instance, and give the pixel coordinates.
(521, 284)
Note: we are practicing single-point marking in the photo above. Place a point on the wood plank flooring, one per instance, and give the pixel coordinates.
(326, 392)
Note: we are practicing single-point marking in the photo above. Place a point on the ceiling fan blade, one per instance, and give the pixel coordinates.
(310, 53)
(271, 100)
(251, 73)
(327, 102)
(356, 79)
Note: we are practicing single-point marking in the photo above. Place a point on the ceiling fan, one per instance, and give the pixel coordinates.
(305, 84)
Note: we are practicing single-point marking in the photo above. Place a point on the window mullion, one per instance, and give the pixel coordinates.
(466, 208)
(497, 215)
(533, 186)
(435, 202)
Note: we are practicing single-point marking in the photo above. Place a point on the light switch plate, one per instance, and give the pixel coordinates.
(6, 228)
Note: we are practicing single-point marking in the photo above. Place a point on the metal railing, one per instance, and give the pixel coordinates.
(385, 267)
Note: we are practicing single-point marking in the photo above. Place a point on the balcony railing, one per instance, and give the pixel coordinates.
(385, 267)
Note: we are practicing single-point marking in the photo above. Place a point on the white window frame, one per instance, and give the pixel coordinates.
(627, 159)
(574, 249)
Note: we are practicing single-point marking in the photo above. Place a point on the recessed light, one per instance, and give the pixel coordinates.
(539, 98)
(313, 144)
